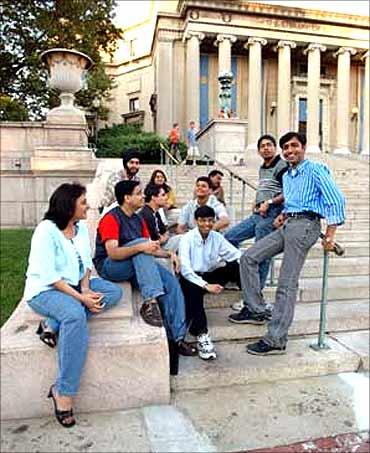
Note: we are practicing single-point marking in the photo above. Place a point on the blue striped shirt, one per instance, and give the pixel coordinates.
(310, 187)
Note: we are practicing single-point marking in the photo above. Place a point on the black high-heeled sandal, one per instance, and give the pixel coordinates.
(61, 416)
(46, 335)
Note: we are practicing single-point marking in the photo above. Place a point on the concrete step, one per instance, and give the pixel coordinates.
(344, 316)
(123, 351)
(235, 367)
(339, 288)
(338, 266)
(352, 249)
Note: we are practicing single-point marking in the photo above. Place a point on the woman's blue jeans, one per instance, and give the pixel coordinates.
(68, 316)
(153, 281)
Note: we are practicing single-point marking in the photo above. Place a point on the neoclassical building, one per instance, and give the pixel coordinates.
(293, 68)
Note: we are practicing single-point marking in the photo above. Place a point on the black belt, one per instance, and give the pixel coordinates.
(304, 215)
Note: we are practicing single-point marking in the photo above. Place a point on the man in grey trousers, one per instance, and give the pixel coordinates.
(310, 194)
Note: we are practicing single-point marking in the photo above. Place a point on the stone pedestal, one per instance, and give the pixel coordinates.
(224, 140)
(48, 158)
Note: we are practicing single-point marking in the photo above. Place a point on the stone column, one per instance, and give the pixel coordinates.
(313, 96)
(193, 75)
(284, 95)
(343, 78)
(164, 76)
(224, 43)
(365, 143)
(254, 90)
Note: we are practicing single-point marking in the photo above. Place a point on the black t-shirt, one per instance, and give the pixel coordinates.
(153, 221)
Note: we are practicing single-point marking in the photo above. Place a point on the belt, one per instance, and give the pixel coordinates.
(304, 215)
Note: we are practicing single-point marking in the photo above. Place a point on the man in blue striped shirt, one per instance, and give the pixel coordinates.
(310, 194)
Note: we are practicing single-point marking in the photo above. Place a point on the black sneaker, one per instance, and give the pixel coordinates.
(151, 314)
(246, 317)
(262, 348)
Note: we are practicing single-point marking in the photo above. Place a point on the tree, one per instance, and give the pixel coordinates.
(12, 110)
(29, 27)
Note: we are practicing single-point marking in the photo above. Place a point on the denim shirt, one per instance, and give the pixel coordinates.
(53, 257)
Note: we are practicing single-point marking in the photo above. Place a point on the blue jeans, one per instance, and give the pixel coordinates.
(69, 317)
(255, 226)
(153, 281)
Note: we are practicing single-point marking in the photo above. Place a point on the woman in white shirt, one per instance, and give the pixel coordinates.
(58, 286)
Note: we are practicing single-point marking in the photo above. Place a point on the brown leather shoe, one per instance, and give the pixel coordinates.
(151, 314)
(186, 349)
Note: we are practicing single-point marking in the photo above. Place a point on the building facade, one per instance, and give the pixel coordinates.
(293, 69)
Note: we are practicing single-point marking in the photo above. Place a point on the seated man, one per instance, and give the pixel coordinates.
(268, 205)
(124, 253)
(200, 252)
(215, 176)
(130, 170)
(203, 198)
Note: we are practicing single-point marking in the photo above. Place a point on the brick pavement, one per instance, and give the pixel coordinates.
(342, 443)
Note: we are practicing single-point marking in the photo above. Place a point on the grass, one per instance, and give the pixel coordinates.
(14, 250)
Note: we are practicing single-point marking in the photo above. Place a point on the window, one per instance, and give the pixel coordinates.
(134, 105)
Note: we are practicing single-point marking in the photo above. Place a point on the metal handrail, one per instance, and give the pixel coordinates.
(168, 154)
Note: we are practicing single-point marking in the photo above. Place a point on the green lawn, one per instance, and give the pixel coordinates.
(14, 250)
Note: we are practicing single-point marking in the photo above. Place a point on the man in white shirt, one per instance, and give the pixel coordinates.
(203, 197)
(201, 252)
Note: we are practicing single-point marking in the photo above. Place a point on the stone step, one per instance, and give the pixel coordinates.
(235, 367)
(352, 249)
(339, 266)
(339, 288)
(118, 373)
(344, 316)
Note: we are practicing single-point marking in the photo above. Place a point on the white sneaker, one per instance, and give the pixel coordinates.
(237, 306)
(206, 350)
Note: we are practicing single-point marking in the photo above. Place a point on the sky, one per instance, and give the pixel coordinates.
(133, 11)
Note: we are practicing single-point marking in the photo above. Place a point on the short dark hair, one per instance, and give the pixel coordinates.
(266, 137)
(62, 203)
(152, 190)
(213, 173)
(175, 124)
(204, 179)
(204, 212)
(123, 188)
(289, 135)
(132, 153)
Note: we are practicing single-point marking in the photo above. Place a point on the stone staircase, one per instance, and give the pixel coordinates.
(127, 364)
(348, 301)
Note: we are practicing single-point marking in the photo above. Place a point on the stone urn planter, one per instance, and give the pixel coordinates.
(66, 71)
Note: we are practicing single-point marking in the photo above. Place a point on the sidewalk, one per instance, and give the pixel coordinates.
(327, 412)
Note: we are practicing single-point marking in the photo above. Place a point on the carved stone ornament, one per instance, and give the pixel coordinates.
(194, 14)
(226, 17)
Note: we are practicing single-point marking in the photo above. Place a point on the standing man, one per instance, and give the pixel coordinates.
(268, 205)
(203, 197)
(310, 194)
(174, 138)
(200, 252)
(131, 167)
(215, 176)
(193, 150)
(125, 253)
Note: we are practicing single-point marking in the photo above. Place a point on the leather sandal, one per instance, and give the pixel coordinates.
(62, 416)
(46, 335)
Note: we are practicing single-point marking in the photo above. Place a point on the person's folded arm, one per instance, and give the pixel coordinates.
(121, 253)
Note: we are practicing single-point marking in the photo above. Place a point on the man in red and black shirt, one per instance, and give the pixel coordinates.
(124, 252)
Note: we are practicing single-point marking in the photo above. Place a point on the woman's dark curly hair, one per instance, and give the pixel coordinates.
(62, 204)
(166, 187)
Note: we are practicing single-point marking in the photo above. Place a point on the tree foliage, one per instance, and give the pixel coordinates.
(29, 27)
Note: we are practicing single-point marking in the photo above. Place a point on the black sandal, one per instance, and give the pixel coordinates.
(46, 335)
(61, 416)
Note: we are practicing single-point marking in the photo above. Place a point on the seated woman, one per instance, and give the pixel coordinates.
(159, 178)
(58, 286)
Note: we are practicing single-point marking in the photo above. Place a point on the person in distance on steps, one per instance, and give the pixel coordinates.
(310, 194)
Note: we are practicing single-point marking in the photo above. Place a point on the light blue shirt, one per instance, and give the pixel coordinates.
(310, 187)
(187, 212)
(199, 255)
(53, 257)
